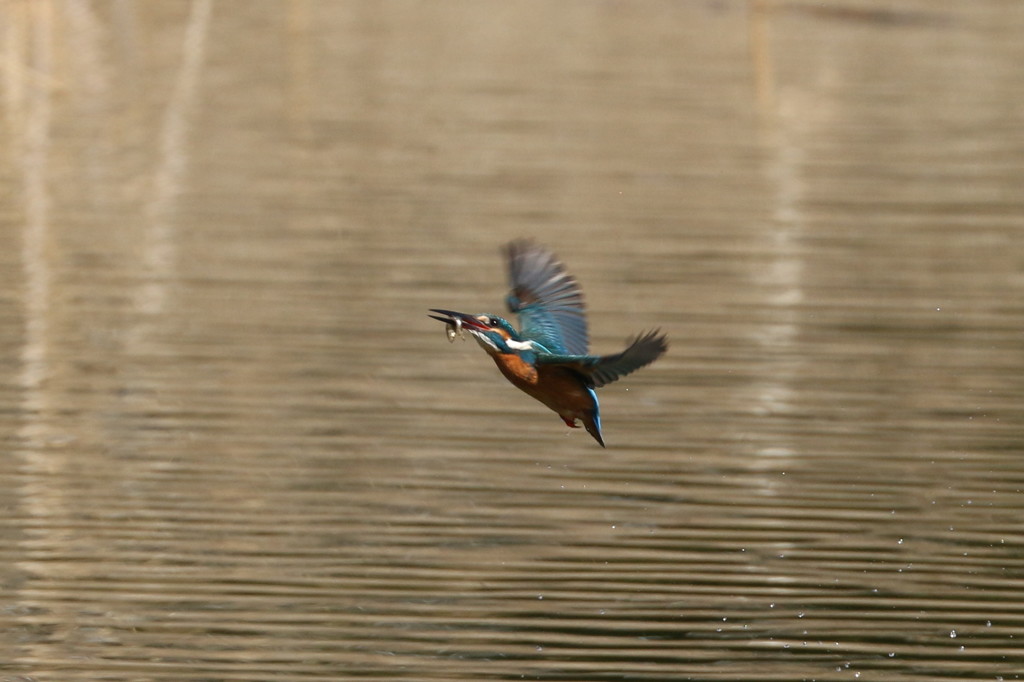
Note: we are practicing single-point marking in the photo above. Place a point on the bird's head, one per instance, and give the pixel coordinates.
(494, 334)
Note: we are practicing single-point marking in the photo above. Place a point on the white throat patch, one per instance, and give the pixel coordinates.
(484, 341)
(519, 345)
(488, 345)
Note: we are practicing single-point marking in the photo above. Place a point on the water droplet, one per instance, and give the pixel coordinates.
(952, 634)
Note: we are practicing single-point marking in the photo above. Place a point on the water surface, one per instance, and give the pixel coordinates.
(237, 449)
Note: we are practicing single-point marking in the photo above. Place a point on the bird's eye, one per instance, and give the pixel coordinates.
(494, 322)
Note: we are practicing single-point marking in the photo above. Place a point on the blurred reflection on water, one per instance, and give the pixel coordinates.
(238, 448)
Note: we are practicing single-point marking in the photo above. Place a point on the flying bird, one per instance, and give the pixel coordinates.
(549, 358)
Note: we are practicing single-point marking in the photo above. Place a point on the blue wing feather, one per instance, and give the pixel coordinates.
(547, 299)
(601, 370)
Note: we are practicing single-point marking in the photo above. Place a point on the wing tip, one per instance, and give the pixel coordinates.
(653, 339)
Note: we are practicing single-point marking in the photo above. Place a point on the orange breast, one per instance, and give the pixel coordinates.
(516, 370)
(560, 389)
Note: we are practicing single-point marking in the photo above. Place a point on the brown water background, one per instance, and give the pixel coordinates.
(235, 448)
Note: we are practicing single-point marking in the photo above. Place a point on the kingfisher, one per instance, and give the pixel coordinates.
(548, 357)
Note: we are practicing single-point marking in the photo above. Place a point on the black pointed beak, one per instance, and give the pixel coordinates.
(449, 315)
(457, 319)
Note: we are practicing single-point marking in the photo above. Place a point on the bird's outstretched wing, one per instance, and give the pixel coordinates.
(548, 300)
(601, 370)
